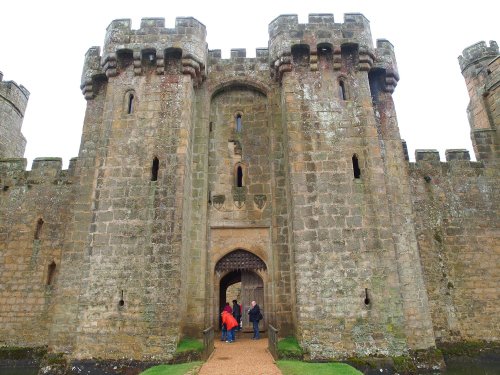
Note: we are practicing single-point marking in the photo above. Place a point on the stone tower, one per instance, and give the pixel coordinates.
(354, 253)
(13, 102)
(130, 220)
(480, 68)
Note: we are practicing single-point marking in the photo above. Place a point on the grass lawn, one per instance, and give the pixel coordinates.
(188, 344)
(289, 348)
(330, 368)
(179, 369)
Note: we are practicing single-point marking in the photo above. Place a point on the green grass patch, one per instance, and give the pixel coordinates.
(179, 369)
(188, 344)
(289, 348)
(331, 368)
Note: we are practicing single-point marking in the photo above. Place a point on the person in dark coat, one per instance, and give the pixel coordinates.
(237, 313)
(255, 316)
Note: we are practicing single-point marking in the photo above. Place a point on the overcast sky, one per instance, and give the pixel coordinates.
(43, 44)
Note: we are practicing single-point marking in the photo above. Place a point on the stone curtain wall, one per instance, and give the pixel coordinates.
(457, 209)
(26, 295)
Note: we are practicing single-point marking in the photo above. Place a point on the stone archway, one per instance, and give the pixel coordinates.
(241, 266)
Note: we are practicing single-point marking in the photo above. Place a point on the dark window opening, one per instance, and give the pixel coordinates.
(239, 176)
(130, 106)
(51, 272)
(349, 53)
(124, 58)
(342, 90)
(355, 167)
(301, 55)
(376, 78)
(38, 229)
(325, 57)
(154, 169)
(173, 61)
(238, 123)
(211, 126)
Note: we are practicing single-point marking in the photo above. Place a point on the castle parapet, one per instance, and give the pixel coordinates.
(427, 155)
(152, 44)
(91, 70)
(285, 31)
(385, 59)
(261, 54)
(457, 154)
(9, 166)
(476, 53)
(45, 168)
(15, 94)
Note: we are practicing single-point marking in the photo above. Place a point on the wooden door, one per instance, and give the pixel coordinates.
(252, 289)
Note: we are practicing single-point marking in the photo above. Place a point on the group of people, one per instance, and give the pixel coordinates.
(231, 320)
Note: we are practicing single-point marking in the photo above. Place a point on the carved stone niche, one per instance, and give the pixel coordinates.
(260, 200)
(218, 201)
(239, 196)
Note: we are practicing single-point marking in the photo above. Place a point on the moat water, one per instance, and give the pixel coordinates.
(453, 368)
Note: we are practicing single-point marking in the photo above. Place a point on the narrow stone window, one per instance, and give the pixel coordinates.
(355, 166)
(342, 90)
(38, 230)
(238, 123)
(51, 272)
(154, 169)
(130, 104)
(239, 176)
(211, 126)
(367, 298)
(121, 302)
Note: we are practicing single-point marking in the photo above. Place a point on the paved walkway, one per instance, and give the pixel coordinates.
(243, 357)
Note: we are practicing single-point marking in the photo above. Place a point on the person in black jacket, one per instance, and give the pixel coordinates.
(237, 313)
(254, 316)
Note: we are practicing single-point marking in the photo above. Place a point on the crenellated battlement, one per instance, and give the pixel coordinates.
(432, 155)
(285, 31)
(386, 59)
(238, 61)
(153, 44)
(322, 36)
(261, 54)
(15, 94)
(431, 171)
(477, 52)
(44, 170)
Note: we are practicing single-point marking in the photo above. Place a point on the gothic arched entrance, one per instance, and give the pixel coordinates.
(241, 276)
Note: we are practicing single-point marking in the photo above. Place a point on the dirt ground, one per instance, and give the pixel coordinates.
(243, 357)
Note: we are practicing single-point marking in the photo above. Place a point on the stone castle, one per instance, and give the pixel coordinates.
(285, 172)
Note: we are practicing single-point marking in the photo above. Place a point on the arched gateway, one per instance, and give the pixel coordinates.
(240, 275)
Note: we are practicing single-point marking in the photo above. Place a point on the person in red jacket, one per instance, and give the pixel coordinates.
(231, 325)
